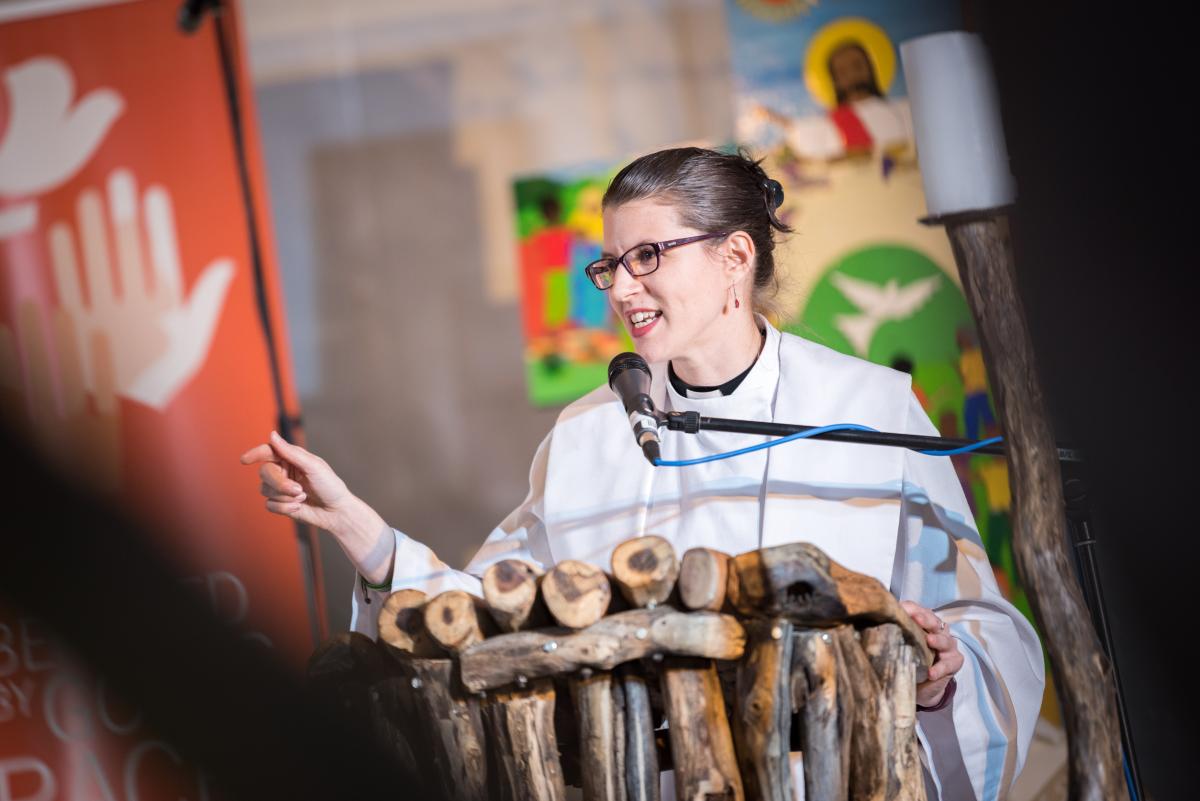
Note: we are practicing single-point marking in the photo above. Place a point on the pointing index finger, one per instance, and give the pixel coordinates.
(292, 454)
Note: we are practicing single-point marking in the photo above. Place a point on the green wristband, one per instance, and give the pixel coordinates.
(366, 585)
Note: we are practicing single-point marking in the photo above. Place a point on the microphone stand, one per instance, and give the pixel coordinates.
(691, 422)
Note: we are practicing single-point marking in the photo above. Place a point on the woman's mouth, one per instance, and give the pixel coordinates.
(640, 322)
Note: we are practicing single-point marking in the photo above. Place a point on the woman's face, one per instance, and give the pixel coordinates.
(679, 307)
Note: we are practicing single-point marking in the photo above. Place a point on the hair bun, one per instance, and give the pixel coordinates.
(774, 193)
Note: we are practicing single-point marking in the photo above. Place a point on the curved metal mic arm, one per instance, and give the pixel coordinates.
(691, 422)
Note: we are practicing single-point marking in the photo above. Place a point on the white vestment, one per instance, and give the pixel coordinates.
(887, 512)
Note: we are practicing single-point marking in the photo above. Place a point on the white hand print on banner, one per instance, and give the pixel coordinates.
(879, 305)
(159, 339)
(48, 140)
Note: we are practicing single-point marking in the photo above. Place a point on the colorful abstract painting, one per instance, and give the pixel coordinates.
(570, 332)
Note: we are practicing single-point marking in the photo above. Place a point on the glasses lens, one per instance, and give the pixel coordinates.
(642, 260)
(601, 273)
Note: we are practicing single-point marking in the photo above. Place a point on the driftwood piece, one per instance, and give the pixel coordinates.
(402, 625)
(815, 688)
(703, 575)
(450, 722)
(347, 658)
(510, 588)
(702, 750)
(800, 582)
(456, 620)
(645, 569)
(576, 593)
(520, 726)
(641, 753)
(867, 719)
(395, 722)
(762, 710)
(1082, 674)
(618, 638)
(351, 671)
(601, 737)
(894, 663)
(618, 696)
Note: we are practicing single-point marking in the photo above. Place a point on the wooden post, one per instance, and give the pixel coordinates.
(641, 755)
(451, 726)
(1083, 676)
(701, 744)
(702, 750)
(577, 595)
(815, 694)
(521, 728)
(601, 737)
(870, 736)
(524, 749)
(396, 724)
(762, 712)
(894, 663)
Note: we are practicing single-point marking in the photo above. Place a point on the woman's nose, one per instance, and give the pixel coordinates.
(624, 284)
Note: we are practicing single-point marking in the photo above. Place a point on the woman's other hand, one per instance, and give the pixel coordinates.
(947, 659)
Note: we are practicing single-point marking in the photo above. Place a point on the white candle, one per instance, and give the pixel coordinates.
(956, 119)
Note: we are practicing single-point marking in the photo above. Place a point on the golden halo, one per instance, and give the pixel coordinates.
(825, 41)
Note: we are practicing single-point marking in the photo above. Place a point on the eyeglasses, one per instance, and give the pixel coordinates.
(639, 260)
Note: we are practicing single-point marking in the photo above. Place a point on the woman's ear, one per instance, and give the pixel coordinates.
(738, 250)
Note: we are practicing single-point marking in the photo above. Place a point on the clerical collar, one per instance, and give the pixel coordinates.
(688, 391)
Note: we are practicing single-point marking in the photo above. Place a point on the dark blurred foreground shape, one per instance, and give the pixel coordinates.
(228, 705)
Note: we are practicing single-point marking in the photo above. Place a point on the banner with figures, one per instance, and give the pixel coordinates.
(133, 353)
(570, 331)
(821, 97)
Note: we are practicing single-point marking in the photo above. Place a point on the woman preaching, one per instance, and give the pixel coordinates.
(688, 265)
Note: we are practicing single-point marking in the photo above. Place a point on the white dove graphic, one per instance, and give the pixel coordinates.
(879, 305)
(48, 139)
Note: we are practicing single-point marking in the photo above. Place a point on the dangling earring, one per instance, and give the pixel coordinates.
(737, 304)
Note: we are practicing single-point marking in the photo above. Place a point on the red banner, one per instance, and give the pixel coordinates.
(133, 351)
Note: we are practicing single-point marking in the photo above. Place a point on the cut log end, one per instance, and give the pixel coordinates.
(576, 593)
(703, 578)
(402, 624)
(645, 569)
(510, 588)
(454, 620)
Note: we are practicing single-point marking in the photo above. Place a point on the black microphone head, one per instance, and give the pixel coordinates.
(629, 379)
(625, 361)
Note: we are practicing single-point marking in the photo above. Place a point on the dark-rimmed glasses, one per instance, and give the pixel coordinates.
(639, 260)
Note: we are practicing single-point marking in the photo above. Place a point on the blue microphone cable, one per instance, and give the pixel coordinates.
(812, 432)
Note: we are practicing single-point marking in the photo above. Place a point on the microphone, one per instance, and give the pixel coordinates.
(629, 377)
